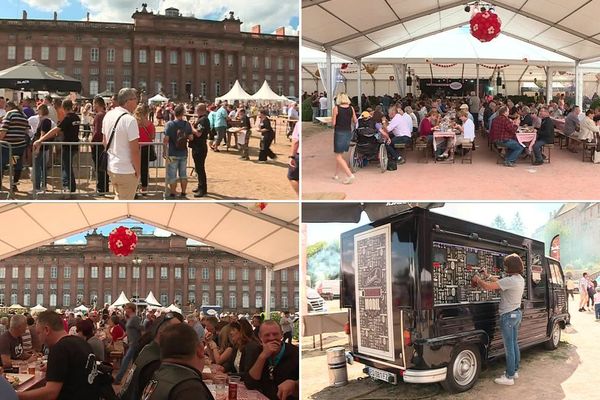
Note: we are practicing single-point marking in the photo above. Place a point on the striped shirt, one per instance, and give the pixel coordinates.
(27, 342)
(16, 125)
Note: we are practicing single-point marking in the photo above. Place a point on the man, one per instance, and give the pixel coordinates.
(293, 115)
(287, 327)
(71, 369)
(134, 332)
(276, 371)
(244, 134)
(27, 110)
(14, 130)
(11, 342)
(399, 130)
(176, 137)
(526, 119)
(124, 160)
(323, 105)
(503, 132)
(192, 321)
(512, 287)
(545, 135)
(68, 127)
(148, 361)
(220, 125)
(200, 130)
(3, 325)
(52, 114)
(314, 105)
(583, 292)
(102, 180)
(474, 105)
(256, 321)
(487, 113)
(182, 361)
(572, 127)
(570, 288)
(294, 161)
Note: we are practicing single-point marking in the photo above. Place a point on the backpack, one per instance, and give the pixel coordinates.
(181, 139)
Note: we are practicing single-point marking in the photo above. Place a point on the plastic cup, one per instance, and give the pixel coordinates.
(31, 369)
(23, 369)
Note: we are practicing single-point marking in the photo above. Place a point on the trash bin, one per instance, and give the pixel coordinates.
(336, 360)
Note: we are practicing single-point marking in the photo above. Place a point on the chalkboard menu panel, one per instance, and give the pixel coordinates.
(373, 280)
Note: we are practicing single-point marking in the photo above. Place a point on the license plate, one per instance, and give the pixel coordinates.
(382, 375)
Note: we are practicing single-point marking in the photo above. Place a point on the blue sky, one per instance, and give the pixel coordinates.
(533, 216)
(270, 14)
(129, 223)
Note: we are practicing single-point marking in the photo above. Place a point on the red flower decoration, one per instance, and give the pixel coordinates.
(485, 26)
(344, 66)
(122, 241)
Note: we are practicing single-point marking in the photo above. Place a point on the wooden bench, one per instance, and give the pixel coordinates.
(115, 358)
(424, 148)
(500, 150)
(588, 151)
(466, 153)
(545, 147)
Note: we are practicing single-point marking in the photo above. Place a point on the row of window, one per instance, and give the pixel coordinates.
(61, 55)
(163, 299)
(164, 273)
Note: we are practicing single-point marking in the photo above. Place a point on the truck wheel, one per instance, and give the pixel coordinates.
(463, 369)
(554, 339)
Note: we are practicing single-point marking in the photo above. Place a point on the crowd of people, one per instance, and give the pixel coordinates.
(589, 294)
(406, 120)
(188, 128)
(163, 354)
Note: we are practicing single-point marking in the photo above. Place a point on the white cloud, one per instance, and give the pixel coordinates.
(161, 233)
(45, 5)
(66, 241)
(269, 14)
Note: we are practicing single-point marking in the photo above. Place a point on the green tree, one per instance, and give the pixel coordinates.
(323, 261)
(517, 224)
(499, 222)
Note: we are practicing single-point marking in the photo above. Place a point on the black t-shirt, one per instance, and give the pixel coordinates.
(10, 345)
(70, 127)
(287, 368)
(45, 127)
(202, 125)
(72, 362)
(266, 124)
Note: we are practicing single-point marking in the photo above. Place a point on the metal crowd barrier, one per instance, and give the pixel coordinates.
(11, 154)
(83, 169)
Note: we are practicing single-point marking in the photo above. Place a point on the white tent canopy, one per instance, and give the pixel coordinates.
(38, 308)
(121, 300)
(266, 94)
(235, 93)
(16, 307)
(157, 99)
(151, 300)
(81, 308)
(174, 308)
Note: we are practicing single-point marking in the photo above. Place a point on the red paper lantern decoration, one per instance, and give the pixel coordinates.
(122, 241)
(344, 66)
(485, 26)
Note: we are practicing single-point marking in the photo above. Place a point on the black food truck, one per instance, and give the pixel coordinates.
(413, 313)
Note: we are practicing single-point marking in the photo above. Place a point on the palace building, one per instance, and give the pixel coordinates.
(172, 53)
(64, 276)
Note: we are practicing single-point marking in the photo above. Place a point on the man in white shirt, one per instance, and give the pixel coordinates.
(52, 114)
(124, 151)
(323, 105)
(399, 130)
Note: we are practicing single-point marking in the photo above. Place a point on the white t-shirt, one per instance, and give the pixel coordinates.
(469, 130)
(401, 125)
(512, 291)
(323, 103)
(119, 154)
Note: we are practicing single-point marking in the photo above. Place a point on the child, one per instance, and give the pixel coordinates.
(597, 303)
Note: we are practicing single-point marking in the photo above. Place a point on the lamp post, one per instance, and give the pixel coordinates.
(136, 263)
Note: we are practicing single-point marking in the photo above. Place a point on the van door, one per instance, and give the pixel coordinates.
(557, 290)
(535, 303)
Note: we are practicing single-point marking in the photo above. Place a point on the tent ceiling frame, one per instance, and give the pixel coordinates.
(309, 3)
(320, 47)
(392, 23)
(514, 36)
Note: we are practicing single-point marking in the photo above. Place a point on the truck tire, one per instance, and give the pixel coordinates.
(554, 339)
(463, 369)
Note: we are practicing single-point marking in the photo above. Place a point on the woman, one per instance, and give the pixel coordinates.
(86, 120)
(267, 137)
(245, 350)
(409, 111)
(116, 333)
(147, 135)
(467, 129)
(588, 128)
(44, 127)
(85, 330)
(342, 120)
(221, 353)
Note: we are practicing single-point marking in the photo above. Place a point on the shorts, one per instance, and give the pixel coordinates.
(294, 173)
(177, 165)
(341, 141)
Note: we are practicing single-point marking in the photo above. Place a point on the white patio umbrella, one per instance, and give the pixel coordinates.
(121, 301)
(38, 308)
(16, 307)
(82, 308)
(151, 300)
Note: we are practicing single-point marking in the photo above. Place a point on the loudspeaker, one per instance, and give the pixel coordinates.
(408, 81)
(498, 81)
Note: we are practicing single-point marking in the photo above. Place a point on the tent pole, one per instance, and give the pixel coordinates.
(328, 82)
(548, 85)
(403, 80)
(268, 275)
(359, 83)
(578, 85)
(477, 84)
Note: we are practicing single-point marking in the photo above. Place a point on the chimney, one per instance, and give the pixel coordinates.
(55, 15)
(256, 29)
(280, 31)
(24, 14)
(88, 16)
